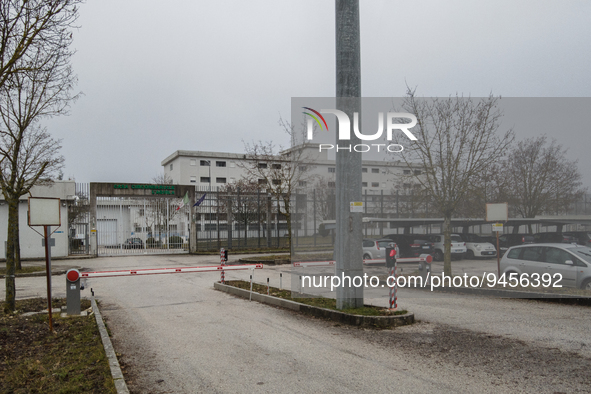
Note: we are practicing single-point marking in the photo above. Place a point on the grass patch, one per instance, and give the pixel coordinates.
(25, 270)
(268, 258)
(34, 360)
(321, 302)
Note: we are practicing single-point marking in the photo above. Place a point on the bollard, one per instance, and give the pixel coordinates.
(73, 292)
(393, 303)
(222, 261)
(425, 268)
(250, 297)
(267, 286)
(280, 281)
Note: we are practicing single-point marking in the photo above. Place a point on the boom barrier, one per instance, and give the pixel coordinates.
(177, 270)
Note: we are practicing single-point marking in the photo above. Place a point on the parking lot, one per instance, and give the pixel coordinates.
(177, 334)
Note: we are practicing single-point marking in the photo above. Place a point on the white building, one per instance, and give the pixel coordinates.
(213, 169)
(30, 241)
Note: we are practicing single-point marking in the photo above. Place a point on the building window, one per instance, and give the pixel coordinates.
(204, 179)
(384, 184)
(170, 166)
(276, 166)
(302, 183)
(262, 165)
(232, 180)
(375, 170)
(204, 163)
(277, 181)
(364, 169)
(193, 179)
(232, 164)
(406, 185)
(417, 172)
(332, 169)
(193, 162)
(363, 184)
(302, 168)
(262, 181)
(406, 172)
(332, 184)
(375, 184)
(220, 163)
(220, 180)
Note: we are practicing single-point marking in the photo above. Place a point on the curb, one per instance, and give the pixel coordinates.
(340, 317)
(34, 274)
(514, 294)
(116, 373)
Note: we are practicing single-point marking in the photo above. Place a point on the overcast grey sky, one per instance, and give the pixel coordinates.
(205, 75)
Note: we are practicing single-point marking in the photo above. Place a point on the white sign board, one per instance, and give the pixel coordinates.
(497, 212)
(44, 211)
(497, 227)
(357, 206)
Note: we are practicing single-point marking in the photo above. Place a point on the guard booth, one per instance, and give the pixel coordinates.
(138, 218)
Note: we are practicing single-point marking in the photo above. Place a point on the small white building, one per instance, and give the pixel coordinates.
(31, 245)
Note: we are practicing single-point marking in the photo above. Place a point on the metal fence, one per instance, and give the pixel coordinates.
(240, 219)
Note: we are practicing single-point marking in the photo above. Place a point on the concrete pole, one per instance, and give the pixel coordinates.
(348, 247)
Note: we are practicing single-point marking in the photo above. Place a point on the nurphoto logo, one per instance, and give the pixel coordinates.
(344, 129)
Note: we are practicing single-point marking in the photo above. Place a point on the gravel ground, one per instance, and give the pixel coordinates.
(178, 335)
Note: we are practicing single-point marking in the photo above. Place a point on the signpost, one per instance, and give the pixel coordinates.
(45, 212)
(497, 213)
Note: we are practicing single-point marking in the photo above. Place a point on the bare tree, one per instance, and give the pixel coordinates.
(278, 171)
(31, 27)
(539, 178)
(35, 82)
(245, 202)
(162, 210)
(457, 141)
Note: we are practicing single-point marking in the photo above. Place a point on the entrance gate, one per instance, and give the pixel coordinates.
(129, 218)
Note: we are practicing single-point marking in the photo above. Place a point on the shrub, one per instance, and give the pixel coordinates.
(175, 242)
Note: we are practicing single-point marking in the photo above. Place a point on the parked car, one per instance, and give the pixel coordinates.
(133, 243)
(477, 246)
(508, 240)
(411, 245)
(458, 246)
(376, 248)
(571, 261)
(553, 237)
(582, 237)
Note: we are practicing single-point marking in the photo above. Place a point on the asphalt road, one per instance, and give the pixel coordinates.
(178, 335)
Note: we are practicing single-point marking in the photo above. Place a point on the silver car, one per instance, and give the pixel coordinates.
(374, 249)
(571, 263)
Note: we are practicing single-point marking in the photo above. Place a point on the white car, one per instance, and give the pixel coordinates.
(458, 247)
(478, 247)
(374, 249)
(549, 264)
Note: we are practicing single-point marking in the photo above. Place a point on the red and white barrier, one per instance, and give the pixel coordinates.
(178, 270)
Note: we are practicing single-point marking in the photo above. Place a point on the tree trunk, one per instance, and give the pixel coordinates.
(9, 304)
(17, 242)
(447, 244)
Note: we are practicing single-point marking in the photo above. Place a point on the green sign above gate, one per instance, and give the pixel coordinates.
(156, 189)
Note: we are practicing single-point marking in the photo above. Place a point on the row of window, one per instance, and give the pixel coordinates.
(376, 171)
(206, 179)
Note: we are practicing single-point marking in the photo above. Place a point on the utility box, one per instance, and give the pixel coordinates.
(73, 292)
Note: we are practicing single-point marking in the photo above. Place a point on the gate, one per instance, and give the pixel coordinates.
(133, 225)
(133, 218)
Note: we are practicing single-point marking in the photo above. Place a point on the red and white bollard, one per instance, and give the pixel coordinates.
(393, 289)
(222, 261)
